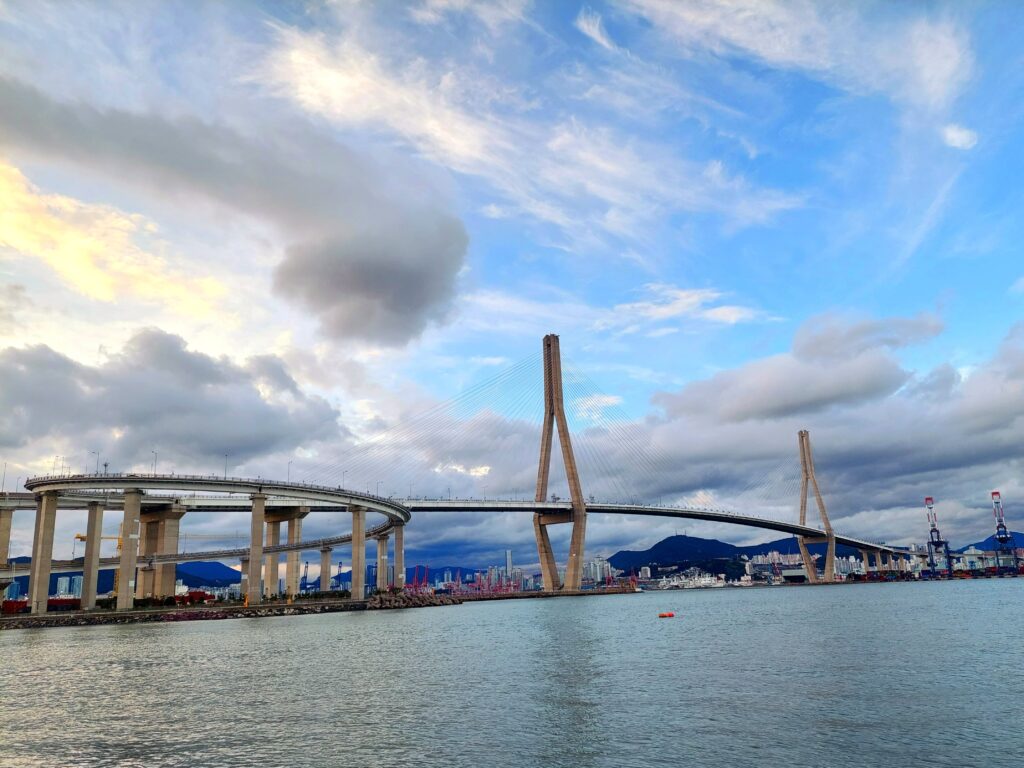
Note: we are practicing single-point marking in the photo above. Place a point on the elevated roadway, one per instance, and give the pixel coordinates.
(688, 513)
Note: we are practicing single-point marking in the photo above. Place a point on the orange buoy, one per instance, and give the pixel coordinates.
(666, 615)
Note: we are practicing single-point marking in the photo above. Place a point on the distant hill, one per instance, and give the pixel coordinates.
(207, 574)
(989, 544)
(197, 574)
(679, 549)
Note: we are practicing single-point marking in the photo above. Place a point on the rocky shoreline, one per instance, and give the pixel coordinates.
(394, 600)
(216, 613)
(386, 601)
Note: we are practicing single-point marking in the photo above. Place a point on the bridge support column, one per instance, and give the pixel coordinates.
(271, 574)
(243, 578)
(166, 577)
(325, 569)
(42, 552)
(809, 480)
(129, 550)
(554, 415)
(400, 556)
(91, 562)
(6, 519)
(158, 530)
(865, 563)
(149, 537)
(291, 577)
(382, 563)
(358, 553)
(254, 589)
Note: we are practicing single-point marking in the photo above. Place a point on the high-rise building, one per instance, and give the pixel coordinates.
(76, 586)
(63, 586)
(508, 563)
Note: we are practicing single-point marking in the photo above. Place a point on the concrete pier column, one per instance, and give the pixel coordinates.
(243, 580)
(91, 563)
(42, 552)
(166, 576)
(255, 592)
(291, 577)
(358, 552)
(129, 550)
(382, 563)
(865, 561)
(6, 518)
(325, 569)
(149, 537)
(400, 557)
(270, 574)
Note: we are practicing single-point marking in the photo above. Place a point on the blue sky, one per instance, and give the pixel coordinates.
(743, 218)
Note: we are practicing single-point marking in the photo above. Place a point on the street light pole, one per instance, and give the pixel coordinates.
(289, 471)
(155, 455)
(225, 466)
(378, 487)
(343, 473)
(97, 460)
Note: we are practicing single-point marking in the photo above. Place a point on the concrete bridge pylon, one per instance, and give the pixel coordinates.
(554, 415)
(808, 479)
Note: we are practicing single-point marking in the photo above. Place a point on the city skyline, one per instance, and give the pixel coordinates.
(304, 226)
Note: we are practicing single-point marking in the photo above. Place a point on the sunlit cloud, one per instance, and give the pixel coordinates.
(98, 251)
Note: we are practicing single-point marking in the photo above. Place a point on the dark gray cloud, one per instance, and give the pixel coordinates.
(833, 335)
(388, 295)
(786, 385)
(372, 257)
(157, 394)
(834, 362)
(12, 300)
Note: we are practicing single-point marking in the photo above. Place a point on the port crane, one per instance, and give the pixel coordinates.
(935, 541)
(1006, 549)
(82, 537)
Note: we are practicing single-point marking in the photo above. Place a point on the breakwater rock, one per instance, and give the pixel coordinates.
(389, 600)
(212, 613)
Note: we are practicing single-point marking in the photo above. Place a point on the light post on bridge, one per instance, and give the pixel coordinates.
(378, 487)
(97, 453)
(289, 471)
(155, 456)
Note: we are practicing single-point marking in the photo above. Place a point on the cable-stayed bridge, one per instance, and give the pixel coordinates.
(457, 453)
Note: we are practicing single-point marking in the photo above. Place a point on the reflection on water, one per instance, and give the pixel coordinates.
(908, 674)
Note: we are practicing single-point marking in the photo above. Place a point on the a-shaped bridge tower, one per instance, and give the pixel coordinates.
(554, 414)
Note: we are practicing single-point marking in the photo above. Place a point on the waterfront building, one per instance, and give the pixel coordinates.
(63, 586)
(645, 572)
(508, 563)
(76, 586)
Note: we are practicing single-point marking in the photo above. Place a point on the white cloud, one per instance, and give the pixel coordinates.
(589, 23)
(668, 302)
(494, 14)
(1018, 285)
(588, 181)
(592, 407)
(920, 61)
(959, 137)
